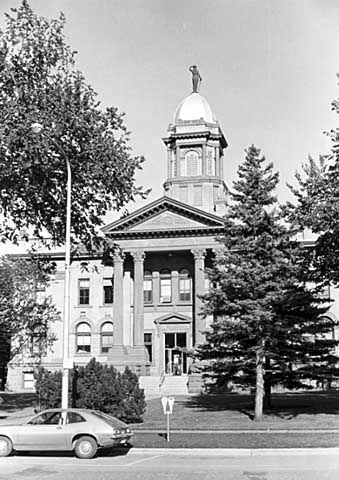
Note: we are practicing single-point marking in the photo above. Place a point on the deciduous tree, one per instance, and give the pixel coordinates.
(316, 208)
(39, 82)
(25, 315)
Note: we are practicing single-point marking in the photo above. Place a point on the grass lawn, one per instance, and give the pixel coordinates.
(236, 440)
(232, 411)
(290, 412)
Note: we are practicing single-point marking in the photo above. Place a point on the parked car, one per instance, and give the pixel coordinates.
(80, 430)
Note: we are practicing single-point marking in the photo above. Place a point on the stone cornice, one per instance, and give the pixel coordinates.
(119, 235)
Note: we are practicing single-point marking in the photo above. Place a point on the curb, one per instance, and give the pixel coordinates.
(248, 431)
(235, 451)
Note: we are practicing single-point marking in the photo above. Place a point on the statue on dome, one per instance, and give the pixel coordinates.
(196, 78)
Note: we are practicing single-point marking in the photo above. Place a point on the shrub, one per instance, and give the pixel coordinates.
(134, 404)
(48, 388)
(95, 386)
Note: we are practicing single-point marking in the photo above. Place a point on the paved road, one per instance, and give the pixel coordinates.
(312, 464)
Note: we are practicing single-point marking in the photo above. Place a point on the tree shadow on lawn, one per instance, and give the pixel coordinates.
(284, 405)
(12, 402)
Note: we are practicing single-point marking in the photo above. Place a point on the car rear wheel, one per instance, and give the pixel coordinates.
(6, 447)
(85, 447)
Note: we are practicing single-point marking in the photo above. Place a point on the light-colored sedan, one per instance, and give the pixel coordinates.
(80, 430)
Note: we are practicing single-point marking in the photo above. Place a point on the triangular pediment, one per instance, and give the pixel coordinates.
(173, 318)
(166, 220)
(165, 215)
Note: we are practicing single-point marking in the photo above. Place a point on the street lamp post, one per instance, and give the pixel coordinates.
(38, 128)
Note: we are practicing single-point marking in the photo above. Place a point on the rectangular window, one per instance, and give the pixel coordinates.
(40, 293)
(183, 194)
(28, 380)
(148, 345)
(215, 193)
(148, 290)
(83, 343)
(325, 294)
(108, 290)
(106, 343)
(197, 195)
(84, 291)
(165, 290)
(36, 345)
(184, 289)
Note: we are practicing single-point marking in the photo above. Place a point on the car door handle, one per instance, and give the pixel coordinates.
(59, 428)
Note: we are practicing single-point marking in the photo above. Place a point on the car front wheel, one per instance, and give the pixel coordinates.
(85, 447)
(6, 447)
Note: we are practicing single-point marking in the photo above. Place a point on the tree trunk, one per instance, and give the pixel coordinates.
(259, 393)
(267, 383)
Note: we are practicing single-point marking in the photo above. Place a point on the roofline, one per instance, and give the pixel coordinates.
(155, 203)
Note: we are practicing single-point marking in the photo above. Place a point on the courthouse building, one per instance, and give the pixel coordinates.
(141, 308)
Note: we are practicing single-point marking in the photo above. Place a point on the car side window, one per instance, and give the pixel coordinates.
(73, 417)
(49, 418)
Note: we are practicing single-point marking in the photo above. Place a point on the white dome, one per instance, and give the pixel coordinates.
(194, 107)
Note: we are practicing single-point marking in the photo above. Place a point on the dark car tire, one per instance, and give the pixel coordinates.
(85, 447)
(6, 446)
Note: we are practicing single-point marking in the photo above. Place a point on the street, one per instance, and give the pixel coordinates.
(318, 464)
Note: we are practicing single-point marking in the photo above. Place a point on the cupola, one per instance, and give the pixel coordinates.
(195, 146)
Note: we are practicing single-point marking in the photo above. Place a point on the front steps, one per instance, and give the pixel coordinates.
(171, 385)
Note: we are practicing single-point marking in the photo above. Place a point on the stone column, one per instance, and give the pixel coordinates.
(169, 163)
(220, 163)
(175, 287)
(177, 160)
(118, 309)
(199, 289)
(204, 160)
(138, 311)
(156, 288)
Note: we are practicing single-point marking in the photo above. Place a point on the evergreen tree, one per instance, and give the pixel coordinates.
(267, 328)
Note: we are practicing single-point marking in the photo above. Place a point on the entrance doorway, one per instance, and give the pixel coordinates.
(175, 358)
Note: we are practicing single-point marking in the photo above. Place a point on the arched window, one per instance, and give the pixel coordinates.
(83, 337)
(185, 285)
(148, 287)
(106, 335)
(165, 286)
(190, 164)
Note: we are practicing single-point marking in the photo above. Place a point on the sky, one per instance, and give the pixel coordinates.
(268, 67)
